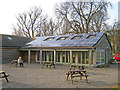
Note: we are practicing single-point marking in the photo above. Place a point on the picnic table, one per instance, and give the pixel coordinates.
(48, 63)
(77, 73)
(4, 75)
(79, 67)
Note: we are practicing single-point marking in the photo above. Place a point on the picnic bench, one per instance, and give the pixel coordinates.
(4, 75)
(79, 67)
(48, 63)
(77, 73)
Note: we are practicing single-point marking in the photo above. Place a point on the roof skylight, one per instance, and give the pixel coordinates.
(9, 38)
(91, 36)
(62, 38)
(76, 37)
(49, 38)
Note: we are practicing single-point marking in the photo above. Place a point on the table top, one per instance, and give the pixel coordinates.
(77, 71)
(48, 62)
(1, 72)
(76, 65)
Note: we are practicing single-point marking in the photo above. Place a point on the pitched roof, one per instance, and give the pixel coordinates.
(13, 41)
(76, 40)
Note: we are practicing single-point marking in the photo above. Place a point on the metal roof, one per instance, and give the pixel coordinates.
(68, 41)
(13, 41)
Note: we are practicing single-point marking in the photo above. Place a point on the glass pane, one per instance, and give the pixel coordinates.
(102, 57)
(57, 56)
(83, 57)
(73, 57)
(44, 56)
(66, 57)
(51, 55)
(38, 56)
(98, 57)
(79, 57)
(63, 57)
(87, 57)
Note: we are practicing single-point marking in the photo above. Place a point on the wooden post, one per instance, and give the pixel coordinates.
(76, 58)
(40, 56)
(47, 56)
(54, 56)
(90, 58)
(60, 57)
(28, 56)
(94, 58)
(70, 56)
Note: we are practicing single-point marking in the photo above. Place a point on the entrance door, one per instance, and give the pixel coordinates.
(66, 57)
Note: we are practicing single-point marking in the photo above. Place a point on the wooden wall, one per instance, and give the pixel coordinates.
(24, 55)
(9, 54)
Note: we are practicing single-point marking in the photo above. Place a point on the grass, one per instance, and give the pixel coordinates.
(115, 88)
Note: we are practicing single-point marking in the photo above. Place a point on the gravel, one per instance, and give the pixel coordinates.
(33, 76)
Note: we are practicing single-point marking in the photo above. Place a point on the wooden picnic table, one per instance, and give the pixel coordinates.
(77, 73)
(79, 67)
(48, 63)
(4, 75)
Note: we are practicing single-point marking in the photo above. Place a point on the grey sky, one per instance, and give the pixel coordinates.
(9, 9)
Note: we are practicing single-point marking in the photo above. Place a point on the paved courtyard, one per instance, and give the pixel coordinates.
(33, 76)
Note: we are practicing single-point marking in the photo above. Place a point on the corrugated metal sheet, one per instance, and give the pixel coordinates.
(68, 42)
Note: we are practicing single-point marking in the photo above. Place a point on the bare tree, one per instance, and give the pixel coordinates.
(82, 15)
(29, 22)
(113, 33)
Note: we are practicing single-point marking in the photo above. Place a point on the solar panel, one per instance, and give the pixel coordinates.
(83, 41)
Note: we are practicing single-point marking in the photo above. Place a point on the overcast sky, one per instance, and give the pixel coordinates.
(9, 9)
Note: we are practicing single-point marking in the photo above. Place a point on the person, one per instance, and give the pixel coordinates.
(20, 61)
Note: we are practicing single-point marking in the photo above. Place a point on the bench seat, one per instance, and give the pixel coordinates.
(2, 76)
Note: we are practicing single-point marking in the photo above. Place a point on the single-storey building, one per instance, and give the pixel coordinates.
(91, 49)
(9, 47)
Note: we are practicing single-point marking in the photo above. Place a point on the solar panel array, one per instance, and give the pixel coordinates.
(46, 41)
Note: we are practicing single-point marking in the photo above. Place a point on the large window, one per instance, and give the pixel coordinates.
(47, 56)
(73, 57)
(57, 56)
(100, 57)
(38, 55)
(65, 57)
(51, 56)
(87, 57)
(81, 57)
(44, 54)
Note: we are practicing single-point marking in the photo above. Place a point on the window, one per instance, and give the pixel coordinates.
(49, 39)
(44, 58)
(65, 57)
(50, 55)
(62, 38)
(79, 57)
(76, 37)
(9, 38)
(100, 57)
(38, 56)
(73, 57)
(118, 56)
(91, 36)
(57, 56)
